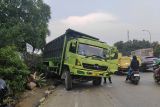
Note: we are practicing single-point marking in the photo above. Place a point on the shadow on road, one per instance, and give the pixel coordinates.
(84, 86)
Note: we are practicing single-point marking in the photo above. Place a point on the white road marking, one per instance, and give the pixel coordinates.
(76, 100)
(76, 104)
(109, 86)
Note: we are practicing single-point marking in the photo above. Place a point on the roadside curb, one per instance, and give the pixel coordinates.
(45, 96)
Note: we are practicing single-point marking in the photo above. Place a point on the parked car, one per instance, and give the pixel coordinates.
(147, 63)
(156, 64)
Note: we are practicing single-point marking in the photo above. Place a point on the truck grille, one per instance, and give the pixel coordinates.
(95, 67)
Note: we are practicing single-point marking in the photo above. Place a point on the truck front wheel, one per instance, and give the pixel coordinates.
(68, 80)
(97, 81)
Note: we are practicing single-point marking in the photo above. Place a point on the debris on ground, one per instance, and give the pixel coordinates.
(35, 97)
(31, 85)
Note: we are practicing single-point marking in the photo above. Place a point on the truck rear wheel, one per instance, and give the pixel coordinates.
(97, 81)
(68, 80)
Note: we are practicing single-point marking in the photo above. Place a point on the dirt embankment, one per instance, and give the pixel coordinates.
(34, 97)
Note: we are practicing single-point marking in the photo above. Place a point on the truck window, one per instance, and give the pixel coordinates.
(72, 47)
(88, 50)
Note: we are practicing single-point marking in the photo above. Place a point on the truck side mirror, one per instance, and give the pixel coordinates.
(107, 57)
(72, 47)
(115, 56)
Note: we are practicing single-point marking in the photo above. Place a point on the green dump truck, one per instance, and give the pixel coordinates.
(77, 56)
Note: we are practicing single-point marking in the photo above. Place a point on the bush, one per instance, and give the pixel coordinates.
(12, 69)
(34, 62)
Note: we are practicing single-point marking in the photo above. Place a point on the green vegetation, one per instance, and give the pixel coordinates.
(156, 49)
(40, 80)
(12, 69)
(126, 47)
(21, 22)
(24, 21)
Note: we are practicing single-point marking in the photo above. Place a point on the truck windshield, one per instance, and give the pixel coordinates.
(88, 50)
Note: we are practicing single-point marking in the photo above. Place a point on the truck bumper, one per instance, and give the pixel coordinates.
(93, 73)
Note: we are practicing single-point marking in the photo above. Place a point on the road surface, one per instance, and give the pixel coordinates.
(119, 94)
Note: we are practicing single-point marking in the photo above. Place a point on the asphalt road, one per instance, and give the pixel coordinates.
(119, 94)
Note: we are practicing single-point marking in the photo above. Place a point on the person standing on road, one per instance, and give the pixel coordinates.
(109, 78)
(134, 66)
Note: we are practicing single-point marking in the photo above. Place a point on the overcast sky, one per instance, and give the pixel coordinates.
(108, 20)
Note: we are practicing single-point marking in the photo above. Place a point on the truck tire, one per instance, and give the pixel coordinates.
(68, 80)
(97, 81)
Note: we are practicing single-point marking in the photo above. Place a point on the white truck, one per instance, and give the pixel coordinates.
(143, 52)
(147, 58)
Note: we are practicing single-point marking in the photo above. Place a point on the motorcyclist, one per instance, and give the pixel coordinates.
(133, 66)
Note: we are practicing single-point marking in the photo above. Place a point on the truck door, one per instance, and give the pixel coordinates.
(70, 56)
(112, 61)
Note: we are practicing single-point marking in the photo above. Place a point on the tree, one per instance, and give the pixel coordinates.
(127, 47)
(156, 49)
(119, 46)
(24, 21)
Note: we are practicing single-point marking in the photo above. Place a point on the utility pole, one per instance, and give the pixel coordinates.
(149, 35)
(128, 34)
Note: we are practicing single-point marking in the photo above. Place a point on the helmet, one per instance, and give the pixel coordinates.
(134, 57)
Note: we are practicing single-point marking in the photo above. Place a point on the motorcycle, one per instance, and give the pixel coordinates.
(156, 75)
(135, 77)
(3, 92)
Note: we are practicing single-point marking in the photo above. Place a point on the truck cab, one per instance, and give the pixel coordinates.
(86, 57)
(87, 60)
